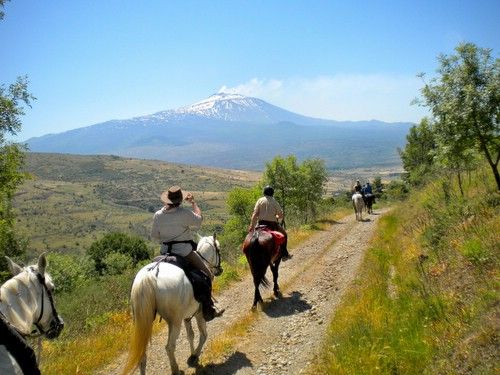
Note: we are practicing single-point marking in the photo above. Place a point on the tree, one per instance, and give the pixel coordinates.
(12, 102)
(283, 175)
(313, 176)
(240, 203)
(298, 187)
(464, 100)
(419, 151)
(378, 186)
(2, 2)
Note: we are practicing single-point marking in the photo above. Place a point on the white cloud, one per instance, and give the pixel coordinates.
(255, 87)
(341, 97)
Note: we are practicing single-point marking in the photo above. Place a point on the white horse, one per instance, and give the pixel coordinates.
(358, 204)
(25, 301)
(165, 290)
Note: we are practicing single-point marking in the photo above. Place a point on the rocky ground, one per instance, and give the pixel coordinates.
(288, 332)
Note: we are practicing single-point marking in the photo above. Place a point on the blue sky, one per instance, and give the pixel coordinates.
(93, 61)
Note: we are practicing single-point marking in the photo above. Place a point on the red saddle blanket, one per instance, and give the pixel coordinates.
(278, 238)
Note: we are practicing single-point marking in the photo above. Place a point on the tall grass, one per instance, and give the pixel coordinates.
(426, 286)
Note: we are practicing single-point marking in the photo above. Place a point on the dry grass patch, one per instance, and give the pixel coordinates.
(224, 344)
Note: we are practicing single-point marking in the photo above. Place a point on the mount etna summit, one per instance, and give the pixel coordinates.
(234, 131)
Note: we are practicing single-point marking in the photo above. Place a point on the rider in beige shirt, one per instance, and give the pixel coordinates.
(266, 208)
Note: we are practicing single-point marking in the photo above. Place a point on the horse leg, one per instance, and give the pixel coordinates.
(174, 329)
(257, 297)
(276, 287)
(190, 337)
(202, 329)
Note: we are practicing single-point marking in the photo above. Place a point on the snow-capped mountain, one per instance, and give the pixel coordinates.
(233, 131)
(232, 107)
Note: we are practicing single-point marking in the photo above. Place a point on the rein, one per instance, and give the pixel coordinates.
(41, 280)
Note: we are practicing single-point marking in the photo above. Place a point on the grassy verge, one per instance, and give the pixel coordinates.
(427, 299)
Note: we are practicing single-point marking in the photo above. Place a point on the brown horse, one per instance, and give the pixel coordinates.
(369, 201)
(262, 249)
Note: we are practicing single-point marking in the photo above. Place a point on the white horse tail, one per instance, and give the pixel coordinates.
(143, 301)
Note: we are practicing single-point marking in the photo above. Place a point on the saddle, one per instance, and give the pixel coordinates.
(201, 282)
(278, 237)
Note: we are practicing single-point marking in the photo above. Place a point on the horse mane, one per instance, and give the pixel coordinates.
(14, 292)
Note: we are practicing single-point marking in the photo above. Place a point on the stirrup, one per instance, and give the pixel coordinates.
(212, 314)
(219, 313)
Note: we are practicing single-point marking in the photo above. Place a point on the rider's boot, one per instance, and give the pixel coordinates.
(285, 255)
(208, 309)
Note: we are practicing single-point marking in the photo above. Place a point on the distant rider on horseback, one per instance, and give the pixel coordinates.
(172, 229)
(357, 187)
(267, 211)
(367, 189)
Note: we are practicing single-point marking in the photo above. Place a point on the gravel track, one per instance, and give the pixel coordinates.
(289, 331)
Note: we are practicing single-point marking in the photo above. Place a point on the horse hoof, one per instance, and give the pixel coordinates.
(193, 360)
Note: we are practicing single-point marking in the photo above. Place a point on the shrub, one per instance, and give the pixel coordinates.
(68, 271)
(397, 190)
(133, 246)
(116, 263)
(475, 251)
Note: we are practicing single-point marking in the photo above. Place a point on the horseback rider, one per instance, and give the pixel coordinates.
(367, 189)
(172, 227)
(266, 212)
(17, 346)
(357, 187)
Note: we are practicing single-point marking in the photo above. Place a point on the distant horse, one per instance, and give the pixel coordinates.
(262, 249)
(358, 204)
(369, 199)
(164, 289)
(25, 301)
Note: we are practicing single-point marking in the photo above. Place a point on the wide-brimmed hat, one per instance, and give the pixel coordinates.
(172, 196)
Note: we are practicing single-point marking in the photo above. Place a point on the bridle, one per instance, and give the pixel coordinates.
(56, 324)
(218, 259)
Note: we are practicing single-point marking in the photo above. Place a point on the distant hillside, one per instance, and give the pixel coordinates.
(237, 132)
(74, 200)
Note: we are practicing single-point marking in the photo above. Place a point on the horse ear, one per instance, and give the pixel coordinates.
(215, 236)
(14, 268)
(42, 264)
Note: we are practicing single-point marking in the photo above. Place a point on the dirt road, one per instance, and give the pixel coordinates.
(288, 332)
